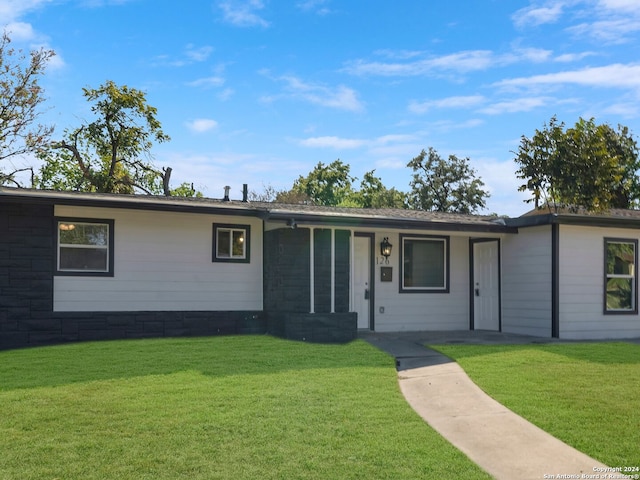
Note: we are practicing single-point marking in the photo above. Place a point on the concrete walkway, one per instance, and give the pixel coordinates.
(499, 441)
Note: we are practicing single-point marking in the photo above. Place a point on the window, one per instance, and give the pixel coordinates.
(231, 243)
(84, 247)
(620, 282)
(425, 264)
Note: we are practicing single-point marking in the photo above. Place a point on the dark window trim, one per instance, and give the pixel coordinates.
(247, 243)
(634, 310)
(447, 270)
(110, 247)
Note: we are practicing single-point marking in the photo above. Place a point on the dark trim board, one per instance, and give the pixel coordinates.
(555, 280)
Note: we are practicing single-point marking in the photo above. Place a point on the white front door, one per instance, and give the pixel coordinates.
(362, 280)
(486, 286)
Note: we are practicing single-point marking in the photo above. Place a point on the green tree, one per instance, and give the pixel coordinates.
(326, 184)
(185, 189)
(445, 185)
(332, 185)
(373, 194)
(20, 101)
(587, 166)
(112, 154)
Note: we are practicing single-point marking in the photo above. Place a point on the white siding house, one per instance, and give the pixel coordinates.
(76, 266)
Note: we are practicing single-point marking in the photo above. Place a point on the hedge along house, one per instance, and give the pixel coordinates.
(77, 266)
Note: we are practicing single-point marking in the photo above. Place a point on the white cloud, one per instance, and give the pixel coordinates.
(616, 75)
(620, 5)
(572, 57)
(387, 139)
(198, 54)
(461, 62)
(226, 94)
(207, 82)
(449, 102)
(11, 10)
(536, 55)
(201, 125)
(340, 97)
(20, 31)
(191, 55)
(517, 105)
(332, 142)
(444, 126)
(628, 110)
(243, 14)
(388, 151)
(613, 31)
(319, 7)
(534, 15)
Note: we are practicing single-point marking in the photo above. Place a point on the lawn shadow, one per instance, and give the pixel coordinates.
(211, 356)
(606, 353)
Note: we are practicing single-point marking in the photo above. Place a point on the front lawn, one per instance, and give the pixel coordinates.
(226, 407)
(585, 394)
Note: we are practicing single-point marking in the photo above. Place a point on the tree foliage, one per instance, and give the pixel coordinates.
(20, 100)
(443, 185)
(373, 194)
(325, 184)
(332, 185)
(590, 166)
(111, 154)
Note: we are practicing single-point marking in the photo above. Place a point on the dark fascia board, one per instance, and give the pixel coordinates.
(568, 219)
(399, 224)
(133, 203)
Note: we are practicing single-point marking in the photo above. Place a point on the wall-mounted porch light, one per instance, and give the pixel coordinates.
(385, 247)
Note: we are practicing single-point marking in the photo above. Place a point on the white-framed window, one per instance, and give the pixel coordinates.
(231, 243)
(84, 247)
(620, 275)
(424, 266)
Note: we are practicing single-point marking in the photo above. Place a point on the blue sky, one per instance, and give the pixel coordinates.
(260, 91)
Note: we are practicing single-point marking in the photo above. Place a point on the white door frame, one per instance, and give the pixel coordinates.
(475, 289)
(371, 281)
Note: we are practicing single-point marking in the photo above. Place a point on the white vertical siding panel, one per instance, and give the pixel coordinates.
(526, 282)
(163, 262)
(581, 285)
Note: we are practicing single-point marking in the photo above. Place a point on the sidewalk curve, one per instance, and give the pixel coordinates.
(502, 443)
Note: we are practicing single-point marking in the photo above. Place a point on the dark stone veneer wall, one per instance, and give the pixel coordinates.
(27, 318)
(287, 286)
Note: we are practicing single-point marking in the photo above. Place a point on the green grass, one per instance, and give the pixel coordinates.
(225, 407)
(585, 394)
